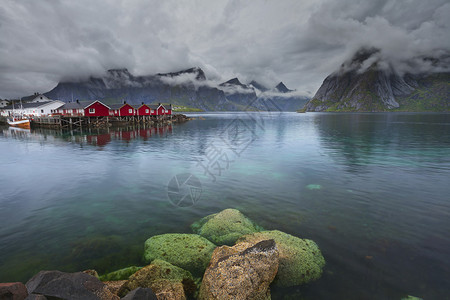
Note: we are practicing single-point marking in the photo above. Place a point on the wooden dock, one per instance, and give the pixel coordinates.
(60, 121)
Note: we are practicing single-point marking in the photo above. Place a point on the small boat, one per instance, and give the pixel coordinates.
(19, 122)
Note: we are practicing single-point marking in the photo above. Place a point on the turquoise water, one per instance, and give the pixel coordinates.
(371, 189)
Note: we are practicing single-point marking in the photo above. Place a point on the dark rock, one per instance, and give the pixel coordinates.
(60, 285)
(140, 293)
(13, 291)
(243, 271)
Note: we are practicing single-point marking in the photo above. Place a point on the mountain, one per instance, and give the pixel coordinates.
(282, 88)
(281, 98)
(365, 83)
(188, 87)
(241, 94)
(118, 85)
(258, 86)
(199, 74)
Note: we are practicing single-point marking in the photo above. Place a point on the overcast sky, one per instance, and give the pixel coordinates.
(298, 42)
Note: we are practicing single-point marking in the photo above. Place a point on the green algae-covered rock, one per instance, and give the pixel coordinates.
(188, 251)
(409, 297)
(300, 260)
(225, 227)
(121, 274)
(158, 276)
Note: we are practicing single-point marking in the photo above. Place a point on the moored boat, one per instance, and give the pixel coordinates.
(21, 123)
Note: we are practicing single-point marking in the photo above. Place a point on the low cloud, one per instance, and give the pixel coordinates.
(297, 42)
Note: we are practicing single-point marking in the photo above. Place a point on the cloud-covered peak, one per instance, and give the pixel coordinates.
(258, 86)
(307, 39)
(196, 71)
(282, 88)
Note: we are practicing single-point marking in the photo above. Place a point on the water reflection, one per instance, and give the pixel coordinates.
(95, 137)
(358, 140)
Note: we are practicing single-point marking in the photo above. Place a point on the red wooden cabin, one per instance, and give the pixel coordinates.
(122, 110)
(143, 110)
(96, 109)
(160, 110)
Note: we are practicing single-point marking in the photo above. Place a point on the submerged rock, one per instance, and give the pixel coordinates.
(121, 274)
(13, 291)
(188, 251)
(243, 271)
(300, 259)
(225, 227)
(60, 285)
(161, 276)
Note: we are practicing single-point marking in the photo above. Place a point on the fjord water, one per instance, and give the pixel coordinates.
(371, 189)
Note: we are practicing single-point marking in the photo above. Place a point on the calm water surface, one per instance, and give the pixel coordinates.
(371, 189)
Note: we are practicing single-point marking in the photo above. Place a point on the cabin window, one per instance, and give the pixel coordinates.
(130, 110)
(41, 97)
(91, 110)
(146, 111)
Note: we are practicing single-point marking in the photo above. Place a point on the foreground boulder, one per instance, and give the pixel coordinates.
(114, 286)
(244, 271)
(74, 286)
(300, 259)
(121, 274)
(226, 227)
(165, 279)
(13, 291)
(187, 251)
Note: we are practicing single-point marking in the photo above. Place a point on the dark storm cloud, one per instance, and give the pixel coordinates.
(297, 42)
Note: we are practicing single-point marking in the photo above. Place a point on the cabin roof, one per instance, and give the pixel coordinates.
(75, 105)
(89, 103)
(119, 105)
(27, 105)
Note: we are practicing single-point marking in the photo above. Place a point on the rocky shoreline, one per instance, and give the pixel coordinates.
(227, 256)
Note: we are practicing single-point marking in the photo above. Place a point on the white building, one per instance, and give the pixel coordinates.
(32, 108)
(4, 103)
(40, 98)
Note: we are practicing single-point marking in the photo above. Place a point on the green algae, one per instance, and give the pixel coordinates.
(157, 275)
(300, 259)
(121, 274)
(225, 227)
(409, 297)
(187, 251)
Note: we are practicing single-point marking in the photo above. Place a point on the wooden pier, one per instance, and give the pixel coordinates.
(60, 121)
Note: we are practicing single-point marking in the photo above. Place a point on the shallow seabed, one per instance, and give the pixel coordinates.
(371, 190)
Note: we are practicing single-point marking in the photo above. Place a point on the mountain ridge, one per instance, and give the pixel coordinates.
(188, 87)
(365, 84)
